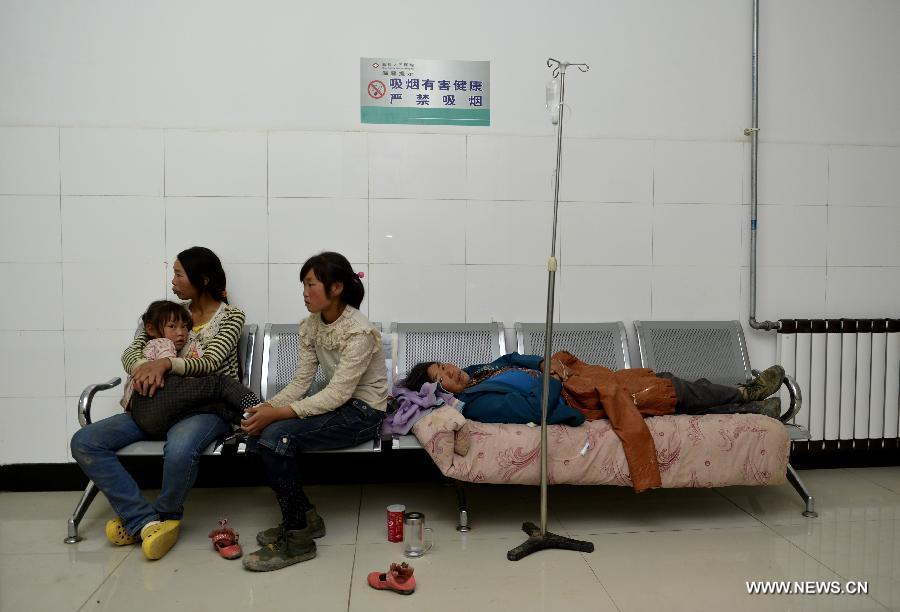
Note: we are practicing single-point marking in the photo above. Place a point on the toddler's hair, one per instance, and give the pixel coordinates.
(161, 312)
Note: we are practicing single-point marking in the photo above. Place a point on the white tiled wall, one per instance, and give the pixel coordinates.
(518, 168)
(791, 174)
(696, 292)
(423, 166)
(607, 171)
(296, 231)
(29, 161)
(32, 296)
(132, 227)
(445, 227)
(516, 233)
(418, 231)
(103, 181)
(31, 229)
(417, 293)
(698, 172)
(864, 176)
(111, 161)
(318, 165)
(233, 227)
(215, 163)
(45, 423)
(606, 234)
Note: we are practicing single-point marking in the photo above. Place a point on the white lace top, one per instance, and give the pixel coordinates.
(350, 353)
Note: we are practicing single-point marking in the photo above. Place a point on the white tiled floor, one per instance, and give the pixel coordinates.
(662, 550)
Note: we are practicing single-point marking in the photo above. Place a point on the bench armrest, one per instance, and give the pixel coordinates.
(87, 396)
(796, 398)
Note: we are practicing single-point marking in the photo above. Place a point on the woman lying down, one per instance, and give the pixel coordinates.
(508, 390)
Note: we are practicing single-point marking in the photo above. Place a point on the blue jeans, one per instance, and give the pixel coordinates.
(94, 448)
(353, 423)
(348, 425)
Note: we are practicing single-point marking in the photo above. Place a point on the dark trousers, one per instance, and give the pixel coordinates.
(702, 396)
(282, 441)
(186, 396)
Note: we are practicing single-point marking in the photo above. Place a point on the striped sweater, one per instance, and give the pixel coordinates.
(219, 339)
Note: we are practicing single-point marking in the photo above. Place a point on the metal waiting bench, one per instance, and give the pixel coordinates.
(149, 448)
(717, 351)
(467, 344)
(462, 344)
(603, 344)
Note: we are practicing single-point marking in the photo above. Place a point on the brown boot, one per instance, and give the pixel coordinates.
(314, 524)
(763, 385)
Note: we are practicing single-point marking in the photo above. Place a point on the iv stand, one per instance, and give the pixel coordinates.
(538, 537)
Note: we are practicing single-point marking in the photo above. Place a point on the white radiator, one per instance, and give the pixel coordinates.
(848, 371)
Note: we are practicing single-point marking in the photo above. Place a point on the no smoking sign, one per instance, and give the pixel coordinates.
(376, 89)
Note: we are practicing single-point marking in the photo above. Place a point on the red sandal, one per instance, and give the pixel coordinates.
(399, 579)
(225, 541)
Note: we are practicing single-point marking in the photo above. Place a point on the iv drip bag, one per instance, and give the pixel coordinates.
(553, 100)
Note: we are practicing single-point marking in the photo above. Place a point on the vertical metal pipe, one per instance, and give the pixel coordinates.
(753, 132)
(548, 331)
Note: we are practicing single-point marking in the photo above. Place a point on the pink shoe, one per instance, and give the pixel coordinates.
(225, 541)
(399, 579)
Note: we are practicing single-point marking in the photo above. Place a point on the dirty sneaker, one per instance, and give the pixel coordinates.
(763, 385)
(314, 524)
(296, 546)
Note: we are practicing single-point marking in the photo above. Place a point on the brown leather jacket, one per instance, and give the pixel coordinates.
(624, 397)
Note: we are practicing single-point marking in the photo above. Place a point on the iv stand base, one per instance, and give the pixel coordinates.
(537, 542)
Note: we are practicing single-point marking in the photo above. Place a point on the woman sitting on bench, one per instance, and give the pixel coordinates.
(200, 279)
(509, 389)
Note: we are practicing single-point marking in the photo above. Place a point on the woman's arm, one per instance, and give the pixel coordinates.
(147, 375)
(510, 360)
(133, 355)
(217, 351)
(535, 362)
(278, 408)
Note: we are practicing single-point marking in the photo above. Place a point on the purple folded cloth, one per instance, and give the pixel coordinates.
(413, 405)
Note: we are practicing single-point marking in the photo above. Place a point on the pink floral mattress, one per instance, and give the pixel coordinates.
(693, 451)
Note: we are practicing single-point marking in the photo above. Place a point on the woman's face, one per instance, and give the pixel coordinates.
(181, 285)
(450, 376)
(314, 295)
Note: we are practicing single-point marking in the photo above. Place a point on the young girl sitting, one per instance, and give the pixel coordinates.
(347, 412)
(168, 325)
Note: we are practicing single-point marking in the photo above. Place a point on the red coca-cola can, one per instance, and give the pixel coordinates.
(395, 514)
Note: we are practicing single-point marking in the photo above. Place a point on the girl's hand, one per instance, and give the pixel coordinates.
(262, 415)
(150, 376)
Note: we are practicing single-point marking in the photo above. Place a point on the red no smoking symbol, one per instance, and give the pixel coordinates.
(376, 89)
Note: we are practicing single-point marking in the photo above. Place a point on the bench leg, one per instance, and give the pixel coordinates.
(810, 501)
(463, 511)
(90, 492)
